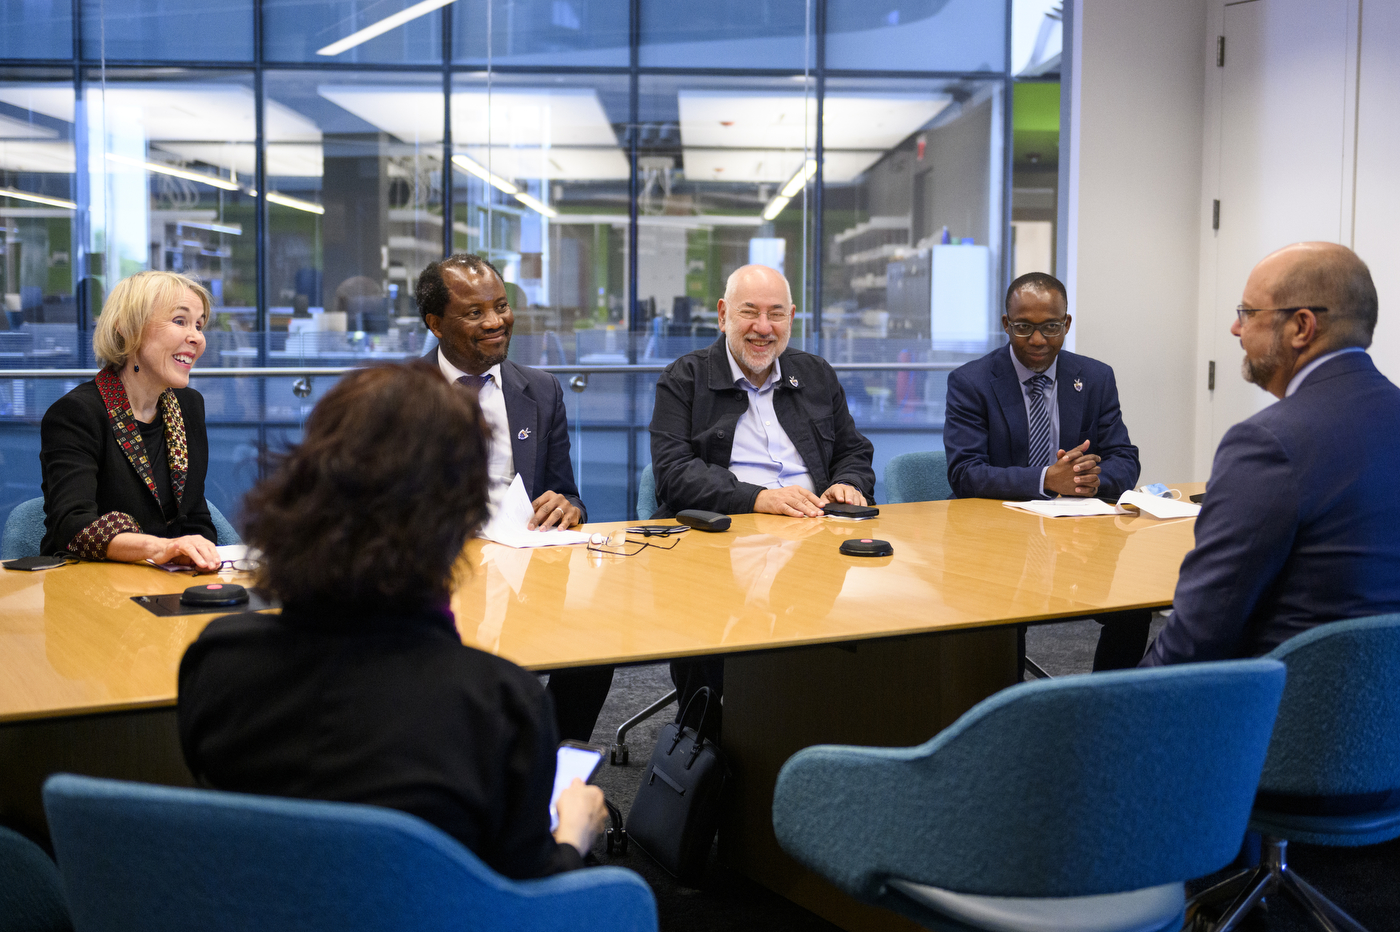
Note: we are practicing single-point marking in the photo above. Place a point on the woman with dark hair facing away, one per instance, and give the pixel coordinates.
(124, 455)
(361, 690)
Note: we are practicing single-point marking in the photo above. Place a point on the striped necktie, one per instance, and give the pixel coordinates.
(475, 382)
(1041, 446)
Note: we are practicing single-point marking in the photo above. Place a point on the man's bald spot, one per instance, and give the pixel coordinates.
(747, 271)
(1326, 275)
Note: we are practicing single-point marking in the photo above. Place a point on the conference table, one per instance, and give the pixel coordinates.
(819, 647)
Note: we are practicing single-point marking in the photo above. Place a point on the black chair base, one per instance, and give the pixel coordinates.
(1247, 889)
(619, 753)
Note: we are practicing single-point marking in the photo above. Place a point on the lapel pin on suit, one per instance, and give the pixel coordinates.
(524, 434)
(792, 380)
(1079, 385)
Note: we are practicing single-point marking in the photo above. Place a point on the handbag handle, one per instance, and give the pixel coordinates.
(684, 716)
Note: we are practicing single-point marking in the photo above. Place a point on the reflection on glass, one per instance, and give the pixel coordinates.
(36, 212)
(728, 34)
(724, 167)
(913, 234)
(541, 32)
(36, 29)
(540, 179)
(167, 30)
(352, 31)
(354, 212)
(931, 35)
(170, 173)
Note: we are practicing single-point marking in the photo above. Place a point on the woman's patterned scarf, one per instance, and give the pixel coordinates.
(123, 422)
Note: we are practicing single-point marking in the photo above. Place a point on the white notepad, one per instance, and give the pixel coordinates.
(1066, 507)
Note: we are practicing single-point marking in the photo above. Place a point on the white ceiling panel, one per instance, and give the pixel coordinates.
(25, 156)
(555, 163)
(518, 116)
(768, 134)
(174, 110)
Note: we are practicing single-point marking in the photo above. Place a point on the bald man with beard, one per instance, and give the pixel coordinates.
(1301, 524)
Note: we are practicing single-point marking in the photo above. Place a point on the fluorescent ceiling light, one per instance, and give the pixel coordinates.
(384, 25)
(536, 205)
(235, 229)
(212, 180)
(775, 207)
(295, 203)
(473, 167)
(799, 180)
(38, 198)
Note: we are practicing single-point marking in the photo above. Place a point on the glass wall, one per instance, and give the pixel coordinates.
(616, 160)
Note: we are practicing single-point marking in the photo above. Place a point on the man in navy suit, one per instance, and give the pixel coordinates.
(463, 301)
(1032, 421)
(1301, 524)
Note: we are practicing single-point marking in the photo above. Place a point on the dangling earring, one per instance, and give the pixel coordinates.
(136, 367)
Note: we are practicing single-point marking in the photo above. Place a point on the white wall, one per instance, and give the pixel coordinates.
(1134, 129)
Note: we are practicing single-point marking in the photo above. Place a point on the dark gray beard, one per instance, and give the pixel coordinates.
(1262, 371)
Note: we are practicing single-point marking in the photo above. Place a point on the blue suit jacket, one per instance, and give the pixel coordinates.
(535, 405)
(987, 436)
(1301, 523)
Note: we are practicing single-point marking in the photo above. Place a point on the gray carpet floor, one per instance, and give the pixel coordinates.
(1365, 881)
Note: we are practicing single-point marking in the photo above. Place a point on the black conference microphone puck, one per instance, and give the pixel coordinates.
(214, 594)
(867, 548)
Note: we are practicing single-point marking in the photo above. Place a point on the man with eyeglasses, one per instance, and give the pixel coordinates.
(1301, 524)
(1032, 421)
(748, 424)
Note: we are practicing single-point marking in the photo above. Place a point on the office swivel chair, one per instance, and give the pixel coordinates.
(31, 891)
(157, 858)
(24, 529)
(1082, 802)
(1338, 737)
(646, 507)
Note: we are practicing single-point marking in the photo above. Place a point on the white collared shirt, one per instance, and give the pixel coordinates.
(500, 465)
(763, 454)
(1052, 404)
(1296, 382)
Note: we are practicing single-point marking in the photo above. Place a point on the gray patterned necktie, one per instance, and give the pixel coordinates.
(1041, 446)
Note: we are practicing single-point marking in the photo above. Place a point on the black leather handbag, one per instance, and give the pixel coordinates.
(676, 811)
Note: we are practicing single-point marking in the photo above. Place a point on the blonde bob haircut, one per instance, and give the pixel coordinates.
(130, 307)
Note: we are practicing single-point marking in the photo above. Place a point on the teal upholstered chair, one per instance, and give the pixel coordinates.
(918, 477)
(226, 534)
(31, 892)
(162, 859)
(24, 529)
(646, 507)
(646, 494)
(1082, 802)
(1337, 738)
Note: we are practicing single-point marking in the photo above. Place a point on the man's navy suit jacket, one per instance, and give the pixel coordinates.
(1301, 524)
(535, 408)
(987, 435)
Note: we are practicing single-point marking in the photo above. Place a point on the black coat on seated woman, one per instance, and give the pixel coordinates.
(124, 456)
(88, 474)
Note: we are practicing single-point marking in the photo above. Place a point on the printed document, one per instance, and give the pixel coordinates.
(510, 523)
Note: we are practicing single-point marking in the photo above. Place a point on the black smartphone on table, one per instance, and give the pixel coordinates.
(843, 510)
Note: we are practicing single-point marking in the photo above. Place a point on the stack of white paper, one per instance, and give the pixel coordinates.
(511, 521)
(1159, 507)
(1066, 507)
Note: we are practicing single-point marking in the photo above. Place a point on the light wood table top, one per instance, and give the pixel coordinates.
(72, 641)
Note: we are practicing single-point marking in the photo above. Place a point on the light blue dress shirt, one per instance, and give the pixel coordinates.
(1052, 404)
(1302, 374)
(763, 454)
